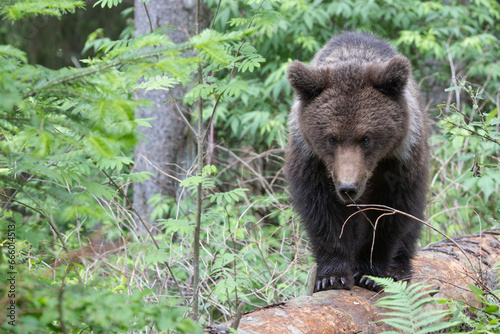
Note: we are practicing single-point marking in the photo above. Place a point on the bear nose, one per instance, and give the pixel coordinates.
(348, 191)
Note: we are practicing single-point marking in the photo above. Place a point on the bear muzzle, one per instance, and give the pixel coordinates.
(349, 174)
(348, 192)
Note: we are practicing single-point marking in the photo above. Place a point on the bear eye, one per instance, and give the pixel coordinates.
(365, 141)
(333, 142)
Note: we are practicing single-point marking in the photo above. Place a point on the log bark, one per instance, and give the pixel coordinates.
(447, 266)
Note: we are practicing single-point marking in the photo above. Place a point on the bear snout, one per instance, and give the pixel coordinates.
(349, 173)
(348, 192)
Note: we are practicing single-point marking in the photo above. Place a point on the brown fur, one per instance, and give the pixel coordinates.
(357, 133)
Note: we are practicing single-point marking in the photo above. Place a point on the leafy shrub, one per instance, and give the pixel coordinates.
(469, 148)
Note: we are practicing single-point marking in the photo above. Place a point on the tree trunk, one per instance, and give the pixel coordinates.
(170, 148)
(442, 265)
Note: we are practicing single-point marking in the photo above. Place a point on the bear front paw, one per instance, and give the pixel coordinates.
(399, 274)
(333, 282)
(365, 282)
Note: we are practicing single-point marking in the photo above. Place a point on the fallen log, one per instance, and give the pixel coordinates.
(448, 266)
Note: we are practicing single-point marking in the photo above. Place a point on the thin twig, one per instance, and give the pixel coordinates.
(386, 208)
(11, 198)
(215, 15)
(238, 315)
(199, 199)
(453, 75)
(176, 107)
(149, 18)
(60, 306)
(139, 216)
(267, 187)
(374, 234)
(374, 226)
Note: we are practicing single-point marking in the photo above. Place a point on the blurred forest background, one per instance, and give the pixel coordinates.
(121, 226)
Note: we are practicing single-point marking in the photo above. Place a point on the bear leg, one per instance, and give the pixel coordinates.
(400, 265)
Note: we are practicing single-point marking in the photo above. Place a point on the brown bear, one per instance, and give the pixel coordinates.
(358, 135)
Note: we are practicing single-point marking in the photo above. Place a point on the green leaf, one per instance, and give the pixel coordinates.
(101, 145)
(229, 197)
(159, 82)
(209, 170)
(476, 290)
(492, 309)
(140, 176)
(181, 226)
(192, 181)
(156, 256)
(450, 89)
(109, 3)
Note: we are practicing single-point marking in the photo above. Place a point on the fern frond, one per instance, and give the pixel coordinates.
(408, 303)
(429, 320)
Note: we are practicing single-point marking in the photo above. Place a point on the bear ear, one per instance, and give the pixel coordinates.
(308, 82)
(391, 79)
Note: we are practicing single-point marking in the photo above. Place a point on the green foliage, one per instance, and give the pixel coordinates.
(227, 197)
(236, 244)
(67, 145)
(426, 31)
(15, 10)
(72, 129)
(485, 319)
(60, 305)
(472, 131)
(482, 127)
(408, 307)
(66, 165)
(109, 3)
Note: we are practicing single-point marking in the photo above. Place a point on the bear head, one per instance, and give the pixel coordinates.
(352, 115)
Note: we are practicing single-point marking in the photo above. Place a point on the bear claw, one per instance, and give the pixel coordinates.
(369, 284)
(332, 282)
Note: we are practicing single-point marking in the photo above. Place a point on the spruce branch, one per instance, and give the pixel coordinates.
(89, 71)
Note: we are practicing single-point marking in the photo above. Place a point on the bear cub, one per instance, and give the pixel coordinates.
(358, 135)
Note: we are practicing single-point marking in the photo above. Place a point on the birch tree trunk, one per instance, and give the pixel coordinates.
(170, 148)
